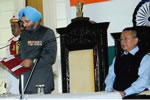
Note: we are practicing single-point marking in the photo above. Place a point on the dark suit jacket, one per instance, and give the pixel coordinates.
(39, 43)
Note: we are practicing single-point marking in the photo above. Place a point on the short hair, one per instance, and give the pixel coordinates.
(132, 29)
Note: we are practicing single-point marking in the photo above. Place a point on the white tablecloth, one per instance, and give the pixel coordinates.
(68, 96)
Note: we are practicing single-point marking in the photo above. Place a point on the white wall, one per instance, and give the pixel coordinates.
(50, 20)
(6, 11)
(62, 7)
(62, 21)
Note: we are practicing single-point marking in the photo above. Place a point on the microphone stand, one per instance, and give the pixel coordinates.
(22, 81)
(31, 73)
(22, 86)
(5, 46)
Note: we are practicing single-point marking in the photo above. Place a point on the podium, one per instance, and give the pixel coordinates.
(80, 40)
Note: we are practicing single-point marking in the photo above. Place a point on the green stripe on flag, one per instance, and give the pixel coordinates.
(111, 54)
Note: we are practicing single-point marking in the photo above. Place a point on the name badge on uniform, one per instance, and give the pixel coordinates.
(34, 43)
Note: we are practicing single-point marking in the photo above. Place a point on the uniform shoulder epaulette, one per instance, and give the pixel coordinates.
(10, 39)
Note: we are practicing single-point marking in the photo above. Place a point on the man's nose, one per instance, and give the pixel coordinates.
(24, 24)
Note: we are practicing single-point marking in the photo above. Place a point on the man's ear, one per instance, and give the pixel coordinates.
(136, 40)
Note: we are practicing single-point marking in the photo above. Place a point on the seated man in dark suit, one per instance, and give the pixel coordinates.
(129, 73)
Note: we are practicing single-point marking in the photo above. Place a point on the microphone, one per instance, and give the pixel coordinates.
(4, 46)
(9, 44)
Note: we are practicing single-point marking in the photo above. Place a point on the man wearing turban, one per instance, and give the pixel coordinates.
(37, 42)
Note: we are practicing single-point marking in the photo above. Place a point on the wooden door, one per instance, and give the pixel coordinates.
(38, 4)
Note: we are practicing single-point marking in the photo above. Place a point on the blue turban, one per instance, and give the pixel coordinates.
(31, 13)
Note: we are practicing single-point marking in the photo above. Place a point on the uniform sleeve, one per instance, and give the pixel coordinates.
(110, 78)
(143, 81)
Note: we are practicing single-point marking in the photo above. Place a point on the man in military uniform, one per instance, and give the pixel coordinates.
(16, 31)
(37, 42)
(11, 80)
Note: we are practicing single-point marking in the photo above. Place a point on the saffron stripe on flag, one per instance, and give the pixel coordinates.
(73, 2)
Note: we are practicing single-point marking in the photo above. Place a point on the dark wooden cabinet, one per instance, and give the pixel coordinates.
(116, 37)
(83, 34)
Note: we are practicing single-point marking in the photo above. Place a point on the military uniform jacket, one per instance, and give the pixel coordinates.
(12, 49)
(41, 44)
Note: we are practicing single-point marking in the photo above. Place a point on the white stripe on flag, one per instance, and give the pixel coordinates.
(10, 58)
(16, 68)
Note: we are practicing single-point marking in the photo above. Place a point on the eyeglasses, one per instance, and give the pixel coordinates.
(126, 38)
(25, 21)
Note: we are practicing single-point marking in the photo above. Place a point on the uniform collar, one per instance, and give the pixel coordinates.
(16, 38)
(133, 51)
(38, 26)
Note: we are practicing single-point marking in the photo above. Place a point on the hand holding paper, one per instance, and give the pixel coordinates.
(13, 64)
(26, 63)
